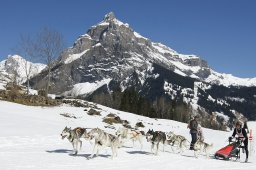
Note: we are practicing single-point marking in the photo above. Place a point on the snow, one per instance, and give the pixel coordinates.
(225, 117)
(139, 36)
(175, 60)
(17, 63)
(168, 87)
(114, 20)
(163, 49)
(167, 56)
(210, 98)
(237, 99)
(158, 57)
(97, 45)
(222, 102)
(30, 139)
(73, 57)
(181, 67)
(230, 80)
(103, 24)
(86, 88)
(136, 59)
(2, 86)
(179, 72)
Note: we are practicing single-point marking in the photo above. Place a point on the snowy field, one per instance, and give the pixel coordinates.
(30, 139)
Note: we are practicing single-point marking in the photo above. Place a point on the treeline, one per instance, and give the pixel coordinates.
(131, 101)
(162, 107)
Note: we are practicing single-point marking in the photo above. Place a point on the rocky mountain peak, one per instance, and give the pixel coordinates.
(17, 65)
(109, 17)
(14, 61)
(112, 56)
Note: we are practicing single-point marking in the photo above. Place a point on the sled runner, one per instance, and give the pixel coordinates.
(231, 151)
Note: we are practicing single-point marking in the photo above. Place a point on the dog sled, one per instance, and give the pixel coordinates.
(231, 151)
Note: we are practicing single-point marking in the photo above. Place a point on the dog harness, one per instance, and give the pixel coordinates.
(71, 137)
(240, 135)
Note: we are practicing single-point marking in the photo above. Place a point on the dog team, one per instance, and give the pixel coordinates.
(123, 134)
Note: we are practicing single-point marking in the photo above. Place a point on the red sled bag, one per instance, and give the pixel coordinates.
(230, 151)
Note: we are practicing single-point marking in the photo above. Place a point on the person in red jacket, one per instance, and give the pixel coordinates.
(241, 133)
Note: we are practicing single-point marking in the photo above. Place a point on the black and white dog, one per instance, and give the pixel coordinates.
(156, 137)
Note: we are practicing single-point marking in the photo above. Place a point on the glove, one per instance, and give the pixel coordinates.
(230, 138)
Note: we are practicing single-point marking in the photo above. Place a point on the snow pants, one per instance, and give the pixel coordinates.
(194, 139)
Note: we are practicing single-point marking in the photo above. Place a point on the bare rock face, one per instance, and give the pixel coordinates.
(196, 62)
(110, 49)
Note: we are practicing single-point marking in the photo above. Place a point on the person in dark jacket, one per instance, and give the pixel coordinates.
(241, 133)
(193, 126)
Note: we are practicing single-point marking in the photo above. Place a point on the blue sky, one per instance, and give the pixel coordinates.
(223, 32)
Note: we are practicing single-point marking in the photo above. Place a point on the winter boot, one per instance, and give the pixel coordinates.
(246, 160)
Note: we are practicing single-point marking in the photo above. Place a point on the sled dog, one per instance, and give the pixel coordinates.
(129, 134)
(103, 139)
(177, 140)
(155, 137)
(202, 146)
(74, 136)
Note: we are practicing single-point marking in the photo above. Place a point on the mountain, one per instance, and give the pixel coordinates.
(111, 58)
(14, 67)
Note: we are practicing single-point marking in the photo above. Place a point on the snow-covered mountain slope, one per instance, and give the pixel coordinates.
(185, 65)
(17, 66)
(229, 80)
(112, 57)
(112, 49)
(194, 67)
(30, 139)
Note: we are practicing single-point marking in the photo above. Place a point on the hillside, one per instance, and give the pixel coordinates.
(30, 139)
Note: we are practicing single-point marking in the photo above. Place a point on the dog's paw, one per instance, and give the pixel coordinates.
(91, 156)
